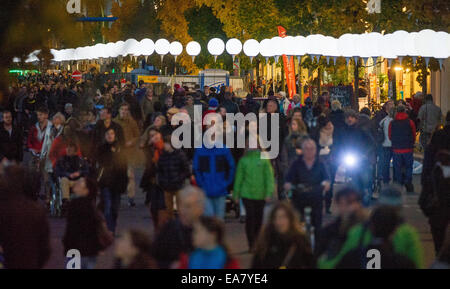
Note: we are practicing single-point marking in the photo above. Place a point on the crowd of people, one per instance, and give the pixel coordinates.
(86, 141)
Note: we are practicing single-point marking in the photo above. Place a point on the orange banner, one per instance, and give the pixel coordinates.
(289, 68)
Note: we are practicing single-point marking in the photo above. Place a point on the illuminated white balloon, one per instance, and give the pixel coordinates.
(299, 45)
(162, 47)
(251, 48)
(266, 48)
(216, 46)
(233, 46)
(176, 48)
(193, 48)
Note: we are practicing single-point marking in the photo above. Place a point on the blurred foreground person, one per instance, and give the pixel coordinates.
(210, 251)
(443, 257)
(176, 236)
(350, 212)
(398, 243)
(282, 243)
(435, 198)
(11, 139)
(133, 251)
(86, 228)
(24, 228)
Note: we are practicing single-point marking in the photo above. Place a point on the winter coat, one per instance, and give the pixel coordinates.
(254, 177)
(405, 241)
(112, 168)
(24, 232)
(278, 250)
(172, 170)
(402, 133)
(214, 170)
(86, 229)
(230, 106)
(71, 164)
(11, 146)
(430, 116)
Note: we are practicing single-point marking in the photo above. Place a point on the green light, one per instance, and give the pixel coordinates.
(22, 72)
(113, 70)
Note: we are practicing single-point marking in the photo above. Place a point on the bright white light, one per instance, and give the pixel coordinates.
(216, 46)
(234, 46)
(162, 46)
(193, 48)
(350, 160)
(251, 48)
(175, 48)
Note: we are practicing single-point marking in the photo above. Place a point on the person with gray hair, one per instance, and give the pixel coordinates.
(430, 117)
(309, 180)
(175, 237)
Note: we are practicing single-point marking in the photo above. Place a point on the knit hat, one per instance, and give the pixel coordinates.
(282, 93)
(213, 103)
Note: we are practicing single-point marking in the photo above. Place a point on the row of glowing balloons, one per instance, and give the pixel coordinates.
(426, 43)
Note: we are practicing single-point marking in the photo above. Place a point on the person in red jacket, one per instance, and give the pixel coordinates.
(402, 133)
(210, 251)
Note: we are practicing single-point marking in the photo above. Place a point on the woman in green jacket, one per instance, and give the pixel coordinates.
(254, 184)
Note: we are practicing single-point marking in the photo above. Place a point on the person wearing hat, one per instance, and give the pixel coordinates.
(213, 104)
(398, 242)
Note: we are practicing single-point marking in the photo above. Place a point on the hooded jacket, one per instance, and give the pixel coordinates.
(254, 177)
(402, 133)
(214, 170)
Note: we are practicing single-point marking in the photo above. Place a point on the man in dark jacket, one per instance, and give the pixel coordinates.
(402, 133)
(172, 171)
(229, 105)
(104, 124)
(70, 168)
(214, 171)
(11, 139)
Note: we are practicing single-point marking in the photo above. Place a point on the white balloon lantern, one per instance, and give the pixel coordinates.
(162, 47)
(347, 46)
(399, 37)
(277, 47)
(193, 48)
(330, 49)
(424, 42)
(386, 49)
(409, 46)
(299, 47)
(233, 47)
(441, 47)
(266, 49)
(146, 47)
(175, 49)
(251, 48)
(216, 47)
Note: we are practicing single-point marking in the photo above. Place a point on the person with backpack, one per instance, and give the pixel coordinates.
(402, 133)
(386, 231)
(214, 171)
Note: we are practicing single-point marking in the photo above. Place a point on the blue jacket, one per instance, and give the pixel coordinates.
(214, 170)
